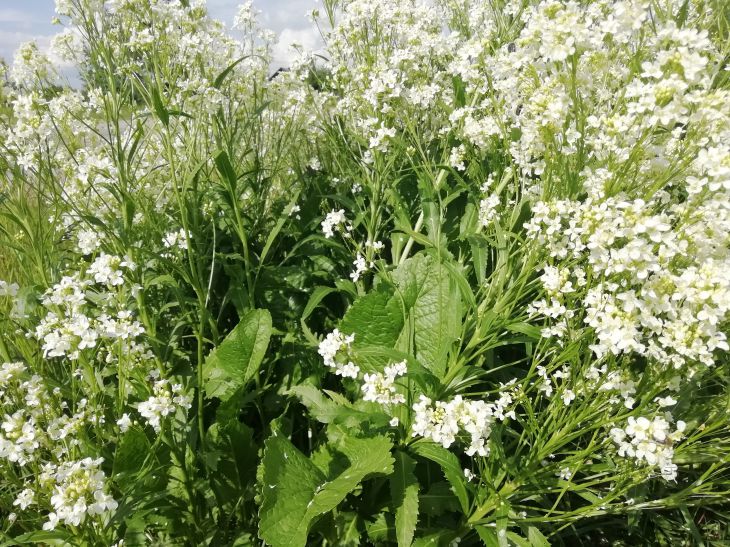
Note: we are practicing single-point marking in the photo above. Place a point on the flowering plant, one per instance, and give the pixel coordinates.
(463, 278)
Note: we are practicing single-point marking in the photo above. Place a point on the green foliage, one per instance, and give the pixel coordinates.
(404, 493)
(236, 361)
(296, 490)
(464, 282)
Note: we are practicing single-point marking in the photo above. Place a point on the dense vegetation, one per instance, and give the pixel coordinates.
(462, 279)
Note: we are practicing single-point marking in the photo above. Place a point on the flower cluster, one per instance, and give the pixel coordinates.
(79, 489)
(649, 441)
(443, 421)
(167, 398)
(381, 388)
(334, 349)
(333, 221)
(79, 319)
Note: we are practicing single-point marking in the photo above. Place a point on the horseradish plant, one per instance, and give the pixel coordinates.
(460, 278)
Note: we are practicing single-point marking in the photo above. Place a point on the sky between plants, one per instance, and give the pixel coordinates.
(25, 20)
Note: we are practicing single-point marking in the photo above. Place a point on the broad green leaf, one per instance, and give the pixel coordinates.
(232, 454)
(290, 483)
(321, 408)
(295, 491)
(226, 170)
(433, 299)
(450, 466)
(337, 409)
(438, 500)
(404, 493)
(131, 452)
(381, 529)
(236, 360)
(375, 319)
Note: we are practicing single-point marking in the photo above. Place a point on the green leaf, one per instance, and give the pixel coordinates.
(536, 538)
(375, 319)
(225, 168)
(236, 361)
(222, 76)
(432, 298)
(488, 536)
(159, 107)
(438, 500)
(321, 408)
(295, 491)
(381, 529)
(44, 537)
(404, 493)
(131, 452)
(449, 464)
(315, 300)
(526, 329)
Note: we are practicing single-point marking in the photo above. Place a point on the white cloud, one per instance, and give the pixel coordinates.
(15, 16)
(283, 52)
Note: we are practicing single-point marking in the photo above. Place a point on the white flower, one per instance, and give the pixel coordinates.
(78, 491)
(649, 441)
(381, 389)
(88, 241)
(333, 221)
(177, 239)
(488, 209)
(25, 498)
(8, 289)
(165, 401)
(361, 267)
(334, 343)
(124, 422)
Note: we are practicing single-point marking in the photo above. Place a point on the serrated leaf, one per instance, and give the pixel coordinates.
(436, 539)
(295, 491)
(236, 360)
(433, 299)
(131, 452)
(321, 408)
(381, 529)
(449, 464)
(488, 536)
(375, 319)
(404, 493)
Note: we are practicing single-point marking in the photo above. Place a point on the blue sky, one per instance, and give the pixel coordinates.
(24, 20)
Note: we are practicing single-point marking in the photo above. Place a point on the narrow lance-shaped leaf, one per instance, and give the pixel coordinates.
(449, 464)
(404, 492)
